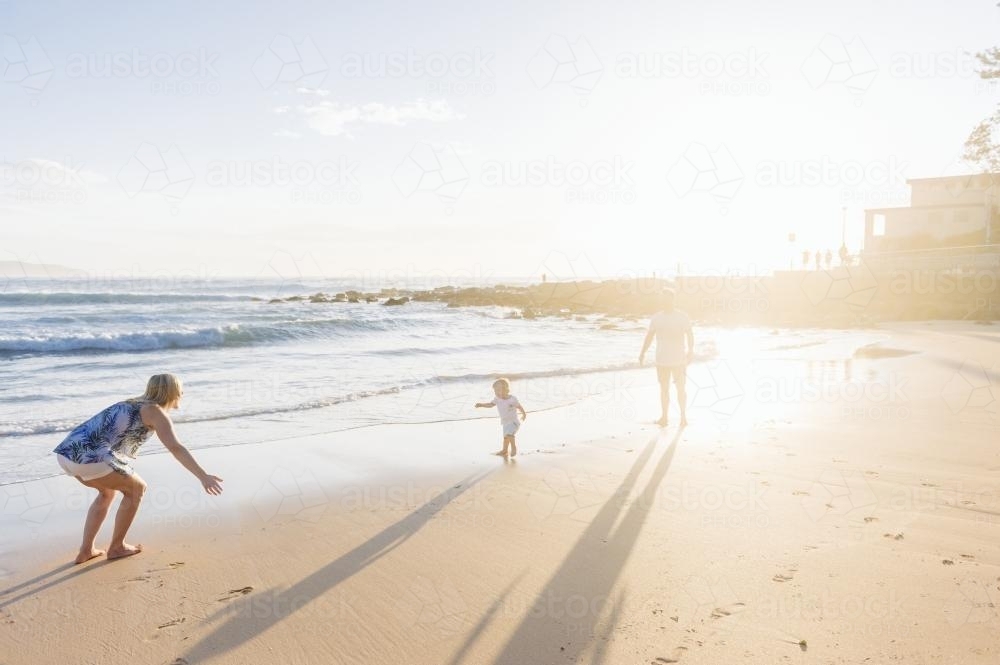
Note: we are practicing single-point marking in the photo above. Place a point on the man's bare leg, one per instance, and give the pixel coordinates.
(681, 383)
(664, 404)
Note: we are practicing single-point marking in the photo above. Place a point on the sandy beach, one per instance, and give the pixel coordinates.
(780, 526)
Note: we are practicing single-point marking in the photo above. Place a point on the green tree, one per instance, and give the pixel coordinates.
(982, 147)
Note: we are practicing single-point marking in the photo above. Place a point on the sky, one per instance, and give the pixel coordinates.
(473, 139)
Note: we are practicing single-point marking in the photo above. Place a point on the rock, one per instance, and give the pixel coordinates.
(397, 301)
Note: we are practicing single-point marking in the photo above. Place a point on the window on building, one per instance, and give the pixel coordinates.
(878, 225)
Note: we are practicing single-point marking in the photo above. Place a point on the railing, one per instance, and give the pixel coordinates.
(967, 257)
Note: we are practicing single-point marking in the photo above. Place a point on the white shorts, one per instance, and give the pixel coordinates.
(510, 429)
(84, 471)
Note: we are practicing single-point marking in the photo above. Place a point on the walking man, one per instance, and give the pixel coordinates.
(674, 350)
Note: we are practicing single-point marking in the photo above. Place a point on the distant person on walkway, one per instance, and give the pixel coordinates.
(508, 406)
(828, 259)
(819, 258)
(97, 453)
(674, 350)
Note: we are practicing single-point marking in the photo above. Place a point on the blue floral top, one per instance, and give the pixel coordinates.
(112, 436)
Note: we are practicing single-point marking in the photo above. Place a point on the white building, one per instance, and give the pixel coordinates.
(957, 214)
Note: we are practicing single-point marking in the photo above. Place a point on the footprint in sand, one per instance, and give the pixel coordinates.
(676, 658)
(894, 536)
(800, 493)
(967, 556)
(871, 474)
(728, 610)
(172, 622)
(233, 593)
(948, 562)
(782, 578)
(869, 520)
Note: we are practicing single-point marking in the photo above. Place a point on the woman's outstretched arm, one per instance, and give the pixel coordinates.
(156, 417)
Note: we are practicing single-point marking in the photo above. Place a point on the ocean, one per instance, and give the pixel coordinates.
(256, 371)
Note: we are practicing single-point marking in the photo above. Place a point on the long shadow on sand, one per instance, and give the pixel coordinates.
(991, 375)
(240, 627)
(552, 631)
(72, 570)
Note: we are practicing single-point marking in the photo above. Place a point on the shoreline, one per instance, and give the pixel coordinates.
(832, 529)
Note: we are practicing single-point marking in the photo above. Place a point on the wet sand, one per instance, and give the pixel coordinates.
(830, 510)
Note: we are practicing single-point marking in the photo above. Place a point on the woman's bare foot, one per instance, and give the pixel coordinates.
(501, 453)
(123, 551)
(87, 556)
(513, 450)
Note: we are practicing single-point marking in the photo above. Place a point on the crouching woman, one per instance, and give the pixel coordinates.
(98, 454)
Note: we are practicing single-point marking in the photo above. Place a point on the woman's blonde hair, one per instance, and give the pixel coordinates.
(163, 389)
